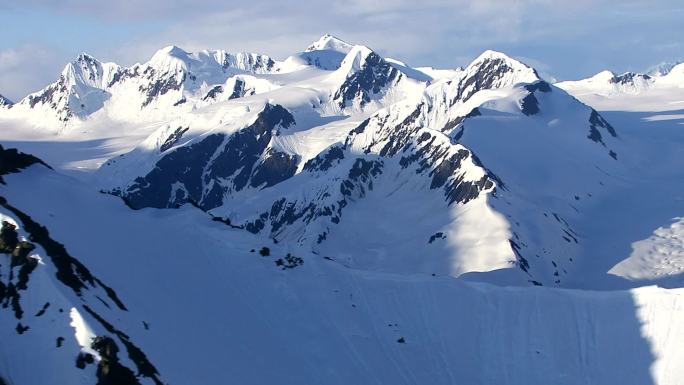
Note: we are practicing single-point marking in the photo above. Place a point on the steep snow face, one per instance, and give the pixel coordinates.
(79, 91)
(438, 74)
(675, 76)
(40, 279)
(658, 91)
(329, 42)
(662, 69)
(364, 78)
(326, 53)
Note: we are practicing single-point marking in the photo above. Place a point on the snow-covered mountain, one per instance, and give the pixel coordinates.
(4, 102)
(607, 83)
(326, 53)
(338, 217)
(663, 68)
(440, 151)
(97, 293)
(171, 78)
(174, 82)
(661, 89)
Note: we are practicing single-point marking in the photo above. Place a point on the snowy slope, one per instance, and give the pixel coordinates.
(661, 254)
(663, 68)
(326, 53)
(317, 322)
(659, 91)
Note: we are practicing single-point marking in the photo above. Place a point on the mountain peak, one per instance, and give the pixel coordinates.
(493, 69)
(85, 57)
(4, 102)
(664, 68)
(489, 56)
(356, 57)
(329, 42)
(169, 52)
(676, 72)
(604, 75)
(492, 54)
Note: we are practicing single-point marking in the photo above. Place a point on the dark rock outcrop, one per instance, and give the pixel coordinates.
(206, 170)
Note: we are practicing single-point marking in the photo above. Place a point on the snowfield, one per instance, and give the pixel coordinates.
(341, 218)
(659, 91)
(199, 289)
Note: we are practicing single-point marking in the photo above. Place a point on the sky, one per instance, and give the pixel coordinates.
(562, 39)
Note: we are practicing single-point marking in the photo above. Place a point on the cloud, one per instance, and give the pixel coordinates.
(27, 68)
(399, 28)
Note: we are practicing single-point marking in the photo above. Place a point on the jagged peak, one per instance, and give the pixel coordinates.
(356, 58)
(172, 50)
(83, 60)
(503, 62)
(498, 55)
(604, 75)
(4, 102)
(492, 54)
(493, 70)
(329, 42)
(88, 70)
(86, 57)
(169, 56)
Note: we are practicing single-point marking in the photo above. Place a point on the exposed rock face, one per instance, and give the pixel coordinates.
(596, 125)
(5, 103)
(170, 79)
(173, 138)
(629, 78)
(371, 78)
(492, 70)
(12, 161)
(217, 165)
(24, 256)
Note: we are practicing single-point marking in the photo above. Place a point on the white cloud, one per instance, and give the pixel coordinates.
(28, 67)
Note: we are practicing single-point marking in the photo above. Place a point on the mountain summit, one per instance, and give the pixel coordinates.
(4, 102)
(329, 42)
